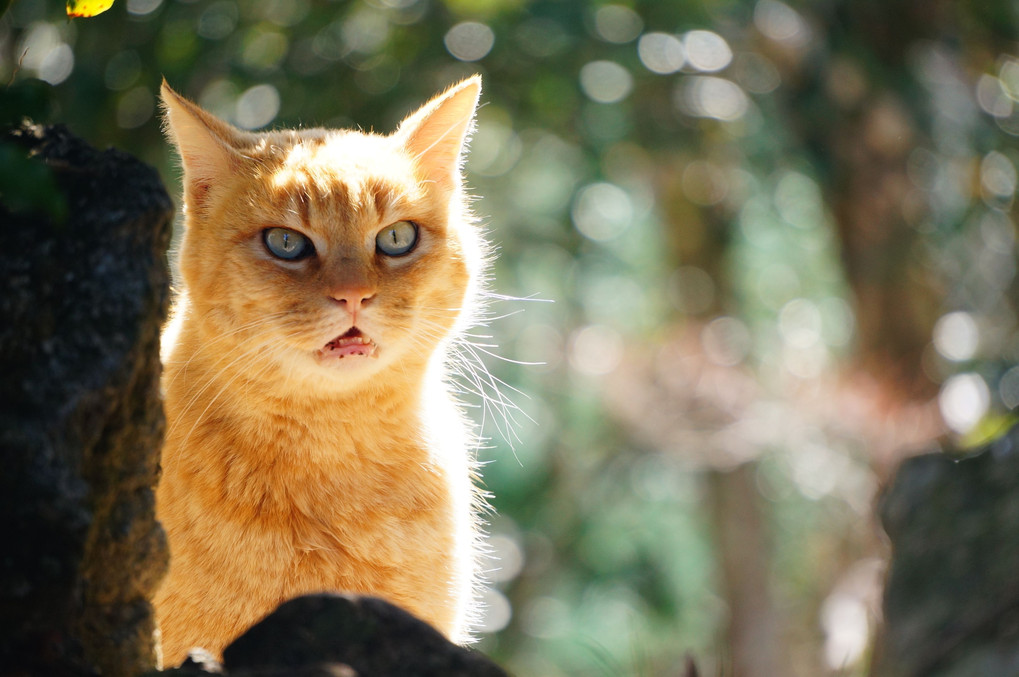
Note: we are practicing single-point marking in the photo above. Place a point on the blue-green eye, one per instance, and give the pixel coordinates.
(287, 244)
(397, 239)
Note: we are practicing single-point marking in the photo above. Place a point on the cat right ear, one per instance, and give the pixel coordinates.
(436, 133)
(207, 147)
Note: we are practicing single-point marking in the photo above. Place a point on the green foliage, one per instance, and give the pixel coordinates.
(26, 99)
(27, 185)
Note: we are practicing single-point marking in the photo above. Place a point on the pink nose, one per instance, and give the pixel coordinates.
(353, 299)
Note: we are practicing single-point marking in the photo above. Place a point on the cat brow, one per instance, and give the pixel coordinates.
(382, 196)
(303, 207)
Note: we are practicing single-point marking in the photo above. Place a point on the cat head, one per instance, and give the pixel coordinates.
(328, 255)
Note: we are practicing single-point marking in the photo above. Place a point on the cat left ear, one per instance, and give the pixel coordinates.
(436, 133)
(207, 147)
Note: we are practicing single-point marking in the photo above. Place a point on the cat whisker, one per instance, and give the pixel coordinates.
(506, 297)
(493, 379)
(227, 355)
(510, 360)
(212, 379)
(265, 367)
(209, 344)
(484, 314)
(487, 388)
(470, 376)
(255, 376)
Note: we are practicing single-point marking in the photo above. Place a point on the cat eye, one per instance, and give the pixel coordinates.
(287, 244)
(397, 239)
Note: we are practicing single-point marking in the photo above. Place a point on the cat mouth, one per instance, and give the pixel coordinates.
(351, 342)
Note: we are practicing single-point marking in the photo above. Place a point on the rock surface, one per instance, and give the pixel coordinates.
(80, 417)
(343, 636)
(952, 598)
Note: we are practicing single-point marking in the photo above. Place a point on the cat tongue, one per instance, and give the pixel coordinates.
(351, 343)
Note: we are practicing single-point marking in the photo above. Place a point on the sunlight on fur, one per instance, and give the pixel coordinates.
(328, 281)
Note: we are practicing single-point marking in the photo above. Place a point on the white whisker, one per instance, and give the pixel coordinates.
(482, 348)
(214, 378)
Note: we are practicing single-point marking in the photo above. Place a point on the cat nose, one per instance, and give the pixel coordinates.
(353, 299)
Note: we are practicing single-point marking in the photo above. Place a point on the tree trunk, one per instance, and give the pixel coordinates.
(81, 421)
(742, 548)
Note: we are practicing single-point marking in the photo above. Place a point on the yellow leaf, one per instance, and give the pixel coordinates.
(84, 8)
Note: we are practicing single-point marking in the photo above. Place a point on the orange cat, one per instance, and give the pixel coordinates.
(312, 443)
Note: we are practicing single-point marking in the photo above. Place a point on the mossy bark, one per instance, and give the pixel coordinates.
(81, 424)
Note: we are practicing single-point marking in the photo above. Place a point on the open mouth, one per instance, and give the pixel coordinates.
(352, 342)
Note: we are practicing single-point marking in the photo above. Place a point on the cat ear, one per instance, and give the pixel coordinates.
(435, 134)
(207, 146)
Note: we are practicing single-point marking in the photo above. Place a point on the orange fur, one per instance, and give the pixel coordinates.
(288, 470)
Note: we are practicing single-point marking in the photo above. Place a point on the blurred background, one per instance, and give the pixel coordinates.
(760, 251)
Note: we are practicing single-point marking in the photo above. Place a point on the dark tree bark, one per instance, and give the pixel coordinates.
(951, 604)
(342, 636)
(81, 420)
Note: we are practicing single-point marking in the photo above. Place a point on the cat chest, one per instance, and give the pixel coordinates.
(386, 515)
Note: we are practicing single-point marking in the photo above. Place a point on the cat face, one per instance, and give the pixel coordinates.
(328, 255)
